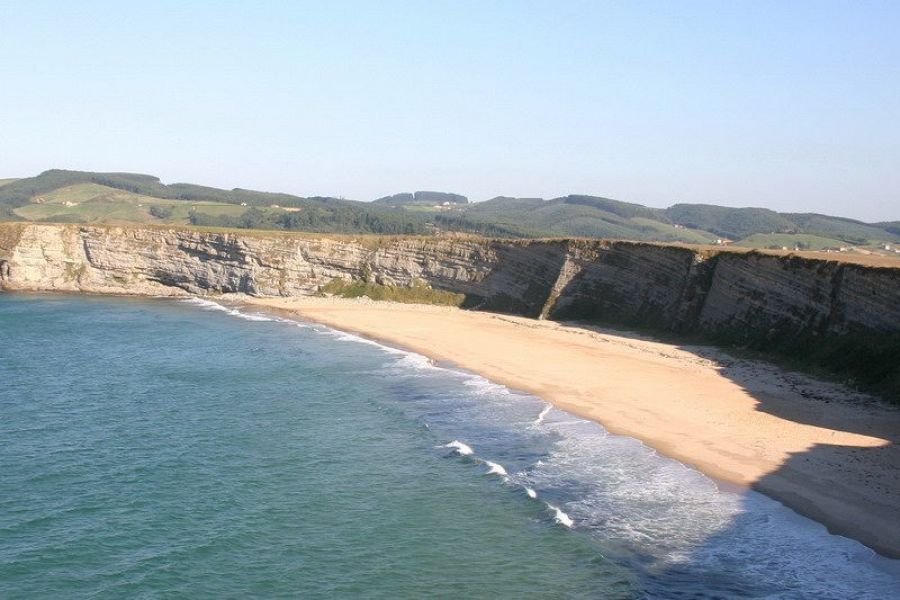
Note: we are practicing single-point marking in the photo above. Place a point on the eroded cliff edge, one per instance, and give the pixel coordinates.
(839, 316)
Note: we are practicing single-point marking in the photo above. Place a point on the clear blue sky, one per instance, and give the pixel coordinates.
(789, 105)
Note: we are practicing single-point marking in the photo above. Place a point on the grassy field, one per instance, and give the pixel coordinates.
(692, 236)
(5, 181)
(858, 258)
(790, 241)
(424, 209)
(93, 203)
(85, 192)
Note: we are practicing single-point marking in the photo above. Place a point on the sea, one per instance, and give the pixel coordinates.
(178, 448)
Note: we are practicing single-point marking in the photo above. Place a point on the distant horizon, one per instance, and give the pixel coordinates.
(471, 199)
(790, 107)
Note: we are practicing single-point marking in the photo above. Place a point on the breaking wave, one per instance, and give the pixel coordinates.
(460, 448)
(542, 415)
(495, 469)
(210, 305)
(561, 517)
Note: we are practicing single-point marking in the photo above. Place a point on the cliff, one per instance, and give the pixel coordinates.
(840, 316)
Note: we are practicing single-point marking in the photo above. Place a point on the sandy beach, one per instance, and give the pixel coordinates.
(827, 452)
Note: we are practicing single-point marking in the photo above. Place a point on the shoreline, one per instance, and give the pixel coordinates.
(851, 489)
(826, 452)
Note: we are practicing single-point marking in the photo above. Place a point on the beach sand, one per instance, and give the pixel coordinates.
(827, 452)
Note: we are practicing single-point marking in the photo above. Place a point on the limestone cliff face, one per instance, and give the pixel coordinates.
(130, 260)
(754, 299)
(133, 260)
(628, 283)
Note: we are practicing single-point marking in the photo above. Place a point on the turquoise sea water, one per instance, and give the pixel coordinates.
(160, 448)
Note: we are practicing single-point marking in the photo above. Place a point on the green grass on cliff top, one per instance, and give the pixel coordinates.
(790, 241)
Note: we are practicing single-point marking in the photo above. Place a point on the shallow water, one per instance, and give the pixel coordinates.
(165, 448)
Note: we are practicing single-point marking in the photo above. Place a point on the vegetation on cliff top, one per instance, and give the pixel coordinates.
(86, 197)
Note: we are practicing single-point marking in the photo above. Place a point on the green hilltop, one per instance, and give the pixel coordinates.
(88, 197)
(427, 199)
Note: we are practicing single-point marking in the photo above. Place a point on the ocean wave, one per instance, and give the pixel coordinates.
(210, 305)
(345, 336)
(540, 418)
(203, 303)
(251, 317)
(495, 469)
(561, 517)
(460, 448)
(483, 387)
(411, 360)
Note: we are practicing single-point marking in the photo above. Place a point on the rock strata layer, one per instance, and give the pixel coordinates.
(781, 304)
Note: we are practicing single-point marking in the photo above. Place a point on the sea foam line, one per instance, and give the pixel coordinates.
(495, 469)
(417, 361)
(560, 517)
(352, 337)
(463, 449)
(540, 418)
(460, 448)
(408, 359)
(210, 305)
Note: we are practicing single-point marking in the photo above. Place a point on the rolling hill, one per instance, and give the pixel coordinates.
(430, 199)
(88, 197)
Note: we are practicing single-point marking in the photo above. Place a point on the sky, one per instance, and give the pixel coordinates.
(793, 106)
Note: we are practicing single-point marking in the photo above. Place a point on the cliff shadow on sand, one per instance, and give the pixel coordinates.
(858, 496)
(851, 488)
(831, 318)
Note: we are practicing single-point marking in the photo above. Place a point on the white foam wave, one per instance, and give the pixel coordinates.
(414, 361)
(206, 304)
(460, 448)
(358, 339)
(560, 517)
(484, 387)
(495, 469)
(540, 418)
(531, 493)
(250, 317)
(210, 305)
